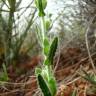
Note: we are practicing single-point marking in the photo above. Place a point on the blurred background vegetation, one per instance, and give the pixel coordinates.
(20, 27)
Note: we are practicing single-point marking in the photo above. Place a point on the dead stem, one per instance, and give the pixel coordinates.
(87, 45)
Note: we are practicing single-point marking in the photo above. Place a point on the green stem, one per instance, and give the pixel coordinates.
(49, 71)
(43, 30)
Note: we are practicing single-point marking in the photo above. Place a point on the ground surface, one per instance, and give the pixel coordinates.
(67, 72)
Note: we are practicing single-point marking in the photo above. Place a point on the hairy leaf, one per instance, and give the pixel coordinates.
(43, 85)
(52, 51)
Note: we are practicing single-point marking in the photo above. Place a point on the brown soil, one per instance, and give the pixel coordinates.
(67, 73)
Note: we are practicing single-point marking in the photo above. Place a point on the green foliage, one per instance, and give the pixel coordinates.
(44, 3)
(38, 71)
(48, 24)
(46, 46)
(74, 93)
(12, 37)
(45, 75)
(52, 85)
(52, 51)
(89, 77)
(4, 75)
(48, 87)
(46, 79)
(43, 85)
(41, 5)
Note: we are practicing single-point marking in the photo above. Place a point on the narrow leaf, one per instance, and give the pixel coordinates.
(43, 86)
(52, 51)
(52, 86)
(89, 77)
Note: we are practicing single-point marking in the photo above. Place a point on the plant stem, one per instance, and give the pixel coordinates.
(43, 30)
(9, 37)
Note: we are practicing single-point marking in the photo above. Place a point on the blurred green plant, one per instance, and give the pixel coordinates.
(45, 76)
(74, 93)
(4, 75)
(91, 78)
(12, 39)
